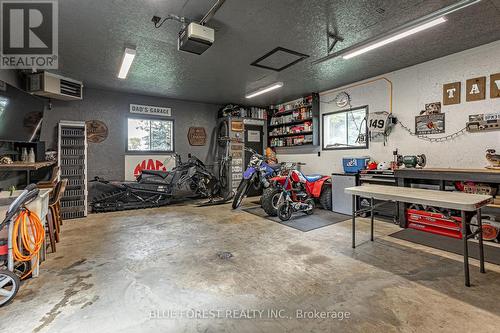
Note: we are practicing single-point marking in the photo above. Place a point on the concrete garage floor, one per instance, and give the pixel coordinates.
(119, 272)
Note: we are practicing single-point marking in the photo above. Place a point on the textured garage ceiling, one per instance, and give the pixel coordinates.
(93, 34)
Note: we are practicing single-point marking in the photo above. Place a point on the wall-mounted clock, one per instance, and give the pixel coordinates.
(343, 99)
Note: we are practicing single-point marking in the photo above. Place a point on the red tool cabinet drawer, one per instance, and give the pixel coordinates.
(435, 223)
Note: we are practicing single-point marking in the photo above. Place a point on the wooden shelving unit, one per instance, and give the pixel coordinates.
(295, 124)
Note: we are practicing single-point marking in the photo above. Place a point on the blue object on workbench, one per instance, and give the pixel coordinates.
(354, 164)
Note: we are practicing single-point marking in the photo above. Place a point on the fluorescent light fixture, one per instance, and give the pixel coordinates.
(393, 38)
(128, 58)
(264, 90)
(407, 29)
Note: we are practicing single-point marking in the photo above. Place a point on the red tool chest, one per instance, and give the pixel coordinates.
(435, 223)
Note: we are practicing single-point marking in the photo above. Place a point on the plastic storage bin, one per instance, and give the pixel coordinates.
(354, 164)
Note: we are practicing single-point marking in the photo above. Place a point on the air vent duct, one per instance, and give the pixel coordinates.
(54, 86)
(71, 88)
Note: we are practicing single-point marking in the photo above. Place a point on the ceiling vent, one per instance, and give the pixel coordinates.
(54, 86)
(279, 59)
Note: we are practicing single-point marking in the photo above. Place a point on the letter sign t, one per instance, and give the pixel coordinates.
(451, 92)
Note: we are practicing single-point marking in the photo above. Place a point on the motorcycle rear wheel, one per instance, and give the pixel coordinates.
(325, 198)
(240, 193)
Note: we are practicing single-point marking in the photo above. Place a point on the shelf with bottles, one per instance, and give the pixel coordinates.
(291, 134)
(289, 107)
(283, 112)
(291, 123)
(256, 113)
(293, 141)
(238, 111)
(292, 129)
(296, 116)
(295, 123)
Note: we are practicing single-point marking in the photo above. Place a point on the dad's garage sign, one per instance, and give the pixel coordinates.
(134, 164)
(151, 110)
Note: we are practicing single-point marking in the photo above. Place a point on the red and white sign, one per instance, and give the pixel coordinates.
(134, 164)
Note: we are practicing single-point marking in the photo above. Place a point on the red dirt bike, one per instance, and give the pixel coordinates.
(317, 187)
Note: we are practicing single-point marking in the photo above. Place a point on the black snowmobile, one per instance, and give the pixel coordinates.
(190, 179)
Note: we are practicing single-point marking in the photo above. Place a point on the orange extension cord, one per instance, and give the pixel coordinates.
(32, 233)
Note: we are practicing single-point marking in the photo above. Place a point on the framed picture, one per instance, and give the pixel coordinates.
(430, 124)
(452, 93)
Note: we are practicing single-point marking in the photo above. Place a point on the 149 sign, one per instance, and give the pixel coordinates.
(377, 121)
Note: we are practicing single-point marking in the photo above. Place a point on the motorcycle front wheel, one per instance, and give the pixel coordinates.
(285, 211)
(240, 193)
(270, 200)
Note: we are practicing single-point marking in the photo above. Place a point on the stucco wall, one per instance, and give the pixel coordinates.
(413, 88)
(107, 159)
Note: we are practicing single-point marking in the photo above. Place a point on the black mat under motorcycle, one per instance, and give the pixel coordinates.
(491, 252)
(321, 218)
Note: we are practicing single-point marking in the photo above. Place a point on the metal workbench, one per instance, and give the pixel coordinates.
(439, 177)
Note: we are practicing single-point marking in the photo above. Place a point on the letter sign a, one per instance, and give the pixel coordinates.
(476, 89)
(451, 93)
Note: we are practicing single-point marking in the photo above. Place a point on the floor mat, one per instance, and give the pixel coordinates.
(321, 218)
(491, 253)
